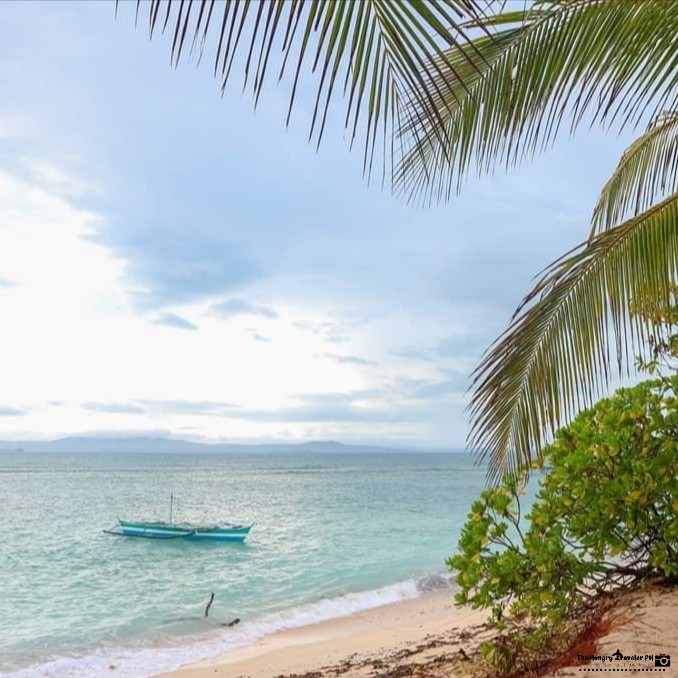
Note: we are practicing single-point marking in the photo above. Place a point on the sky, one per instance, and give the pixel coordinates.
(173, 262)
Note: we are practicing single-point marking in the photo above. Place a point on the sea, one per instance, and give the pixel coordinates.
(334, 534)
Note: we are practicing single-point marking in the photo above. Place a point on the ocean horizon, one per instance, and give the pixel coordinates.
(334, 533)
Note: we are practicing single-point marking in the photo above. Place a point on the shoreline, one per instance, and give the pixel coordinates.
(429, 636)
(362, 640)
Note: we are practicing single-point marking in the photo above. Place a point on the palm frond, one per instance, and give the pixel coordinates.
(555, 356)
(374, 53)
(647, 172)
(596, 61)
(423, 160)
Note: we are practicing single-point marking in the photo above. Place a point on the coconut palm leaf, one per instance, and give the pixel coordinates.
(594, 61)
(647, 171)
(376, 53)
(555, 356)
(412, 176)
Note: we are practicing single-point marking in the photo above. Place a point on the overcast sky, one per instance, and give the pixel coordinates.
(173, 262)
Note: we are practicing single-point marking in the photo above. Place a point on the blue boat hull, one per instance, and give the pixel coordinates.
(148, 530)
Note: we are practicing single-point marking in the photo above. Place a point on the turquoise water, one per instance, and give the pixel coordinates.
(333, 534)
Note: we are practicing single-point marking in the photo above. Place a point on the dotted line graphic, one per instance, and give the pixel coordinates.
(623, 669)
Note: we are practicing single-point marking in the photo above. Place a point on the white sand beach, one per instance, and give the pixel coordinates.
(397, 634)
(429, 636)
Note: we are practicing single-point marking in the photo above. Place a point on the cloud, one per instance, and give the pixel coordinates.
(196, 407)
(334, 407)
(436, 389)
(188, 407)
(259, 337)
(361, 395)
(12, 412)
(172, 320)
(455, 346)
(322, 413)
(235, 307)
(454, 383)
(334, 332)
(414, 354)
(124, 433)
(350, 359)
(56, 178)
(196, 231)
(172, 263)
(114, 408)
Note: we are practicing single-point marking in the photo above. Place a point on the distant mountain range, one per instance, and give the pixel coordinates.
(155, 445)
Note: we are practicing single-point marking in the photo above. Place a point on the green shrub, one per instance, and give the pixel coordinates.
(604, 516)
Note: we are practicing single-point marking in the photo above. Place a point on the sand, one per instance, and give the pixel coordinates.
(644, 623)
(394, 635)
(429, 637)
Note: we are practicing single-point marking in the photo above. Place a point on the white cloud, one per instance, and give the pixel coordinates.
(78, 356)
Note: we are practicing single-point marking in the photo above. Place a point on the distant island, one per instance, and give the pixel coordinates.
(150, 444)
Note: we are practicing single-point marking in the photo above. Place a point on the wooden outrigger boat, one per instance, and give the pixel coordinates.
(171, 530)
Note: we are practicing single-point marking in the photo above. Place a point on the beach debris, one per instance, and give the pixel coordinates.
(207, 609)
(233, 622)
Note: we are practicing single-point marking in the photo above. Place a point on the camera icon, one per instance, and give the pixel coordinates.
(662, 660)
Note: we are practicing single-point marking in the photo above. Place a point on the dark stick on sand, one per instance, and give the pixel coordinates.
(207, 609)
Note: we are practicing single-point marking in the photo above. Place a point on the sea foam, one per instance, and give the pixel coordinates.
(140, 663)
